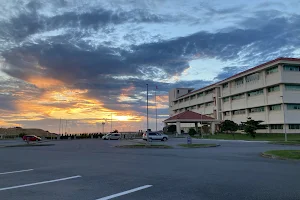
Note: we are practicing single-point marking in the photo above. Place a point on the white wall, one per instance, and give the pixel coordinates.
(256, 101)
(290, 77)
(238, 104)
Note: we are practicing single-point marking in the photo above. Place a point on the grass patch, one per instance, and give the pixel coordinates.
(259, 137)
(157, 146)
(283, 154)
(296, 143)
(197, 145)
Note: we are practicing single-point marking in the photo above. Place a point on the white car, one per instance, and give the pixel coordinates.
(155, 136)
(111, 136)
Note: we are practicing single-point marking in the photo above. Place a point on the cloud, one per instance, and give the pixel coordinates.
(99, 58)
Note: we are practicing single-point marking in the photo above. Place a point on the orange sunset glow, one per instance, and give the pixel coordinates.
(55, 100)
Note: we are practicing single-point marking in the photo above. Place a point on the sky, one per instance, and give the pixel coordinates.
(87, 62)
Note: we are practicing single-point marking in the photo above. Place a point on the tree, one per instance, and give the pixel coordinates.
(229, 126)
(192, 132)
(250, 126)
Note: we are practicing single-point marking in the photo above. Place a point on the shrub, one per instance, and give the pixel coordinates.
(192, 131)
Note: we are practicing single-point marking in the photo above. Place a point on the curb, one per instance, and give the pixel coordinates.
(27, 145)
(284, 144)
(265, 155)
(224, 140)
(199, 147)
(143, 147)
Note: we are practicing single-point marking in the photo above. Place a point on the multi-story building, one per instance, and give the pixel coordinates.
(269, 92)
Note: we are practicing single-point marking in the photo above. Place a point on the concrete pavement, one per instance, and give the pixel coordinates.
(95, 169)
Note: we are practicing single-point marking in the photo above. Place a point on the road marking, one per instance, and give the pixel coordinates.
(39, 183)
(125, 192)
(25, 170)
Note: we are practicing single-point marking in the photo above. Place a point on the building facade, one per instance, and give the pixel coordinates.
(269, 92)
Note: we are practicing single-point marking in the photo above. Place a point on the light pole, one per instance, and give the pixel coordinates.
(147, 109)
(285, 135)
(155, 110)
(103, 123)
(147, 117)
(110, 121)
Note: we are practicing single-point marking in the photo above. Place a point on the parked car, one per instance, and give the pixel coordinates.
(155, 136)
(31, 138)
(112, 136)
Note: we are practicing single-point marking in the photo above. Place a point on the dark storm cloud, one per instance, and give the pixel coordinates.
(7, 102)
(65, 62)
(109, 93)
(26, 24)
(99, 17)
(12, 90)
(230, 71)
(83, 67)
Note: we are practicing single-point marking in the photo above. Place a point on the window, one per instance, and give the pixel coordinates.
(274, 88)
(291, 87)
(200, 94)
(276, 126)
(200, 105)
(252, 77)
(193, 96)
(239, 82)
(239, 112)
(291, 68)
(272, 70)
(186, 99)
(255, 93)
(225, 85)
(177, 91)
(239, 96)
(209, 91)
(193, 107)
(175, 102)
(294, 126)
(180, 100)
(258, 109)
(293, 106)
(275, 107)
(209, 104)
(225, 99)
(226, 113)
(152, 133)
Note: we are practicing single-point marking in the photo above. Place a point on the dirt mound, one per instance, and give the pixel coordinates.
(18, 130)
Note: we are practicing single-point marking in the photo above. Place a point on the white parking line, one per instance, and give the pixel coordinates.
(39, 183)
(125, 192)
(25, 170)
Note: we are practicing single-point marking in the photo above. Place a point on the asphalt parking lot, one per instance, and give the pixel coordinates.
(96, 170)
